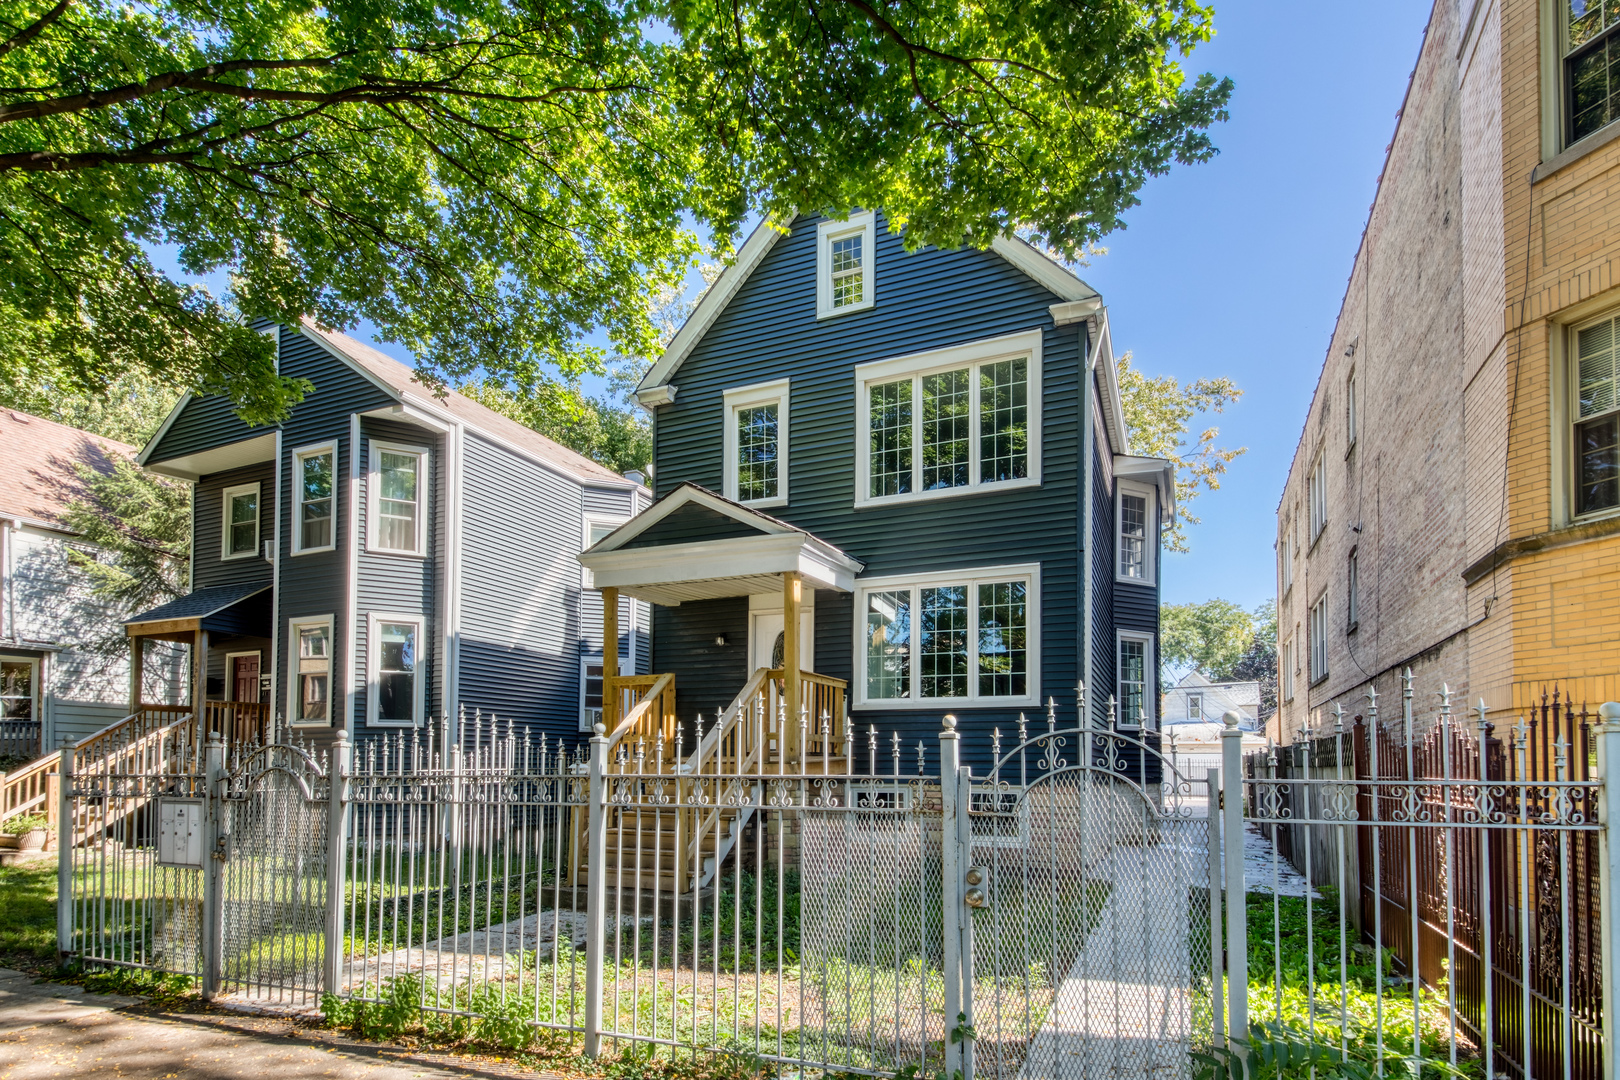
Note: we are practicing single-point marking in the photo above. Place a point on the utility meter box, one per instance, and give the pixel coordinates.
(180, 833)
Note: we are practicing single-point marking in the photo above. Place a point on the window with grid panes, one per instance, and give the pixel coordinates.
(848, 264)
(966, 639)
(757, 442)
(1597, 416)
(1132, 535)
(931, 447)
(1131, 688)
(1591, 65)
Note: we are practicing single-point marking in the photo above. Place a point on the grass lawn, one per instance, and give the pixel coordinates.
(28, 917)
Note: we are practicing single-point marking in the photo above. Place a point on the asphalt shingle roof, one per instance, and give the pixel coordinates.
(202, 603)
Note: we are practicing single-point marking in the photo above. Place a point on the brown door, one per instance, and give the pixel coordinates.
(245, 677)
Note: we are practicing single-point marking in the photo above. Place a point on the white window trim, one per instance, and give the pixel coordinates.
(373, 495)
(1150, 711)
(775, 393)
(1199, 698)
(1030, 572)
(587, 580)
(828, 231)
(297, 500)
(225, 521)
(587, 724)
(374, 620)
(1008, 347)
(1150, 535)
(293, 700)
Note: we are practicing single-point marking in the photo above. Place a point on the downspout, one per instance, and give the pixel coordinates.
(1087, 457)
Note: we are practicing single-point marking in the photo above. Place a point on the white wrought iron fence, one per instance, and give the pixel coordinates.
(1087, 908)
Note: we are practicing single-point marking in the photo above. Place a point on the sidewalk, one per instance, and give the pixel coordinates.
(54, 1031)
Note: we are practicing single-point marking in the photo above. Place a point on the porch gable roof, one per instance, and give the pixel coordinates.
(696, 545)
(199, 609)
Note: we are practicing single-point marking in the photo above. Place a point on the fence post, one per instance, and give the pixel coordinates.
(1237, 931)
(1608, 762)
(1217, 955)
(950, 757)
(64, 851)
(337, 809)
(596, 893)
(215, 843)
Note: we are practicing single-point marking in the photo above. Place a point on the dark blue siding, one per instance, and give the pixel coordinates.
(928, 300)
(400, 584)
(205, 422)
(209, 566)
(1104, 659)
(692, 523)
(316, 584)
(707, 676)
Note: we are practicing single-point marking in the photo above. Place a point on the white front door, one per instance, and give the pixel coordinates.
(765, 640)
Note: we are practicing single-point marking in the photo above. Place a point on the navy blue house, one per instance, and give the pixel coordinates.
(385, 557)
(892, 486)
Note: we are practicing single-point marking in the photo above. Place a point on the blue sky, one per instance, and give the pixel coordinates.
(1237, 267)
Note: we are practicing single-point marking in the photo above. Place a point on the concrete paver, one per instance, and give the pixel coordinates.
(49, 1030)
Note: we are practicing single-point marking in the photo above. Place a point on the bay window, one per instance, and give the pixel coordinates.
(311, 690)
(949, 422)
(969, 636)
(396, 670)
(398, 509)
(314, 487)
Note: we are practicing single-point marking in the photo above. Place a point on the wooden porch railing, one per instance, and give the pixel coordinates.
(237, 721)
(20, 739)
(642, 709)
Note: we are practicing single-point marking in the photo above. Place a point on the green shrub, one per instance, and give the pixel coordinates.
(23, 823)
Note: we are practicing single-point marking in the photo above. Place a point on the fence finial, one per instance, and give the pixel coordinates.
(1338, 719)
(1372, 706)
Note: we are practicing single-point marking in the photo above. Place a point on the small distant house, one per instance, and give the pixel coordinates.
(385, 557)
(53, 683)
(1196, 700)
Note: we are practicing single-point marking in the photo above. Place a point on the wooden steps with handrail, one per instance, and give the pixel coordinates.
(683, 847)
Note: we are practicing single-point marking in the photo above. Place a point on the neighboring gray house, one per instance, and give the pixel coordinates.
(1196, 700)
(385, 557)
(51, 684)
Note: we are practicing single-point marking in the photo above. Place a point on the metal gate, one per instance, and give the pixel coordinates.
(273, 874)
(1085, 866)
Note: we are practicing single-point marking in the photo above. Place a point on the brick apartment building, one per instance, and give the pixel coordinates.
(1454, 501)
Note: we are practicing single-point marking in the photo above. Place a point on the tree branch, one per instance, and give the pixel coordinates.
(100, 99)
(29, 33)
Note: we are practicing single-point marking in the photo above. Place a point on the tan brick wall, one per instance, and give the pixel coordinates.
(1464, 444)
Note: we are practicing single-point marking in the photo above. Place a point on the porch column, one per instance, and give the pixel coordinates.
(790, 660)
(199, 673)
(137, 658)
(610, 657)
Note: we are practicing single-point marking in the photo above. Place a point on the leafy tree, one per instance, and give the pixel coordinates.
(491, 181)
(1259, 661)
(1210, 637)
(142, 524)
(1159, 412)
(129, 409)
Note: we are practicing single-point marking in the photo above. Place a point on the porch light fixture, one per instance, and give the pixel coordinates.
(720, 640)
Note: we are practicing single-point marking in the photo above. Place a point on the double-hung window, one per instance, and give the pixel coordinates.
(1287, 666)
(756, 444)
(1285, 556)
(314, 491)
(399, 477)
(1319, 640)
(241, 524)
(1350, 420)
(311, 690)
(951, 422)
(1133, 695)
(1134, 524)
(1318, 495)
(844, 265)
(396, 670)
(1596, 349)
(597, 528)
(968, 636)
(1352, 591)
(1591, 58)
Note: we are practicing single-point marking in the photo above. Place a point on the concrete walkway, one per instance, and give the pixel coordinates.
(60, 1031)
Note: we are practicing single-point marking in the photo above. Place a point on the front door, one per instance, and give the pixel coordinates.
(765, 640)
(245, 677)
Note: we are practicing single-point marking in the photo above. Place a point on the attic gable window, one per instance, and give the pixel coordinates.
(756, 445)
(844, 270)
(241, 525)
(951, 422)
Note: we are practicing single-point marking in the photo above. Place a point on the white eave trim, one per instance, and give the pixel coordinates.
(755, 248)
(1113, 406)
(1151, 470)
(1039, 266)
(168, 422)
(1074, 311)
(680, 497)
(654, 396)
(714, 560)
